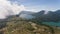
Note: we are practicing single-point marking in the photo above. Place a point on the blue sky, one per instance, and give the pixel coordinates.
(38, 5)
(16, 6)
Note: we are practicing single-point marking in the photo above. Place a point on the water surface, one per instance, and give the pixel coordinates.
(52, 23)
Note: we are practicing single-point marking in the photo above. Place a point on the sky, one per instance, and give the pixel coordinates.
(13, 7)
(37, 5)
(7, 8)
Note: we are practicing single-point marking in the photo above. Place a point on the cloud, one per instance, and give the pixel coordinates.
(6, 8)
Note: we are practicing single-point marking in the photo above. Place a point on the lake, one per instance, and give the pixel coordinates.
(52, 23)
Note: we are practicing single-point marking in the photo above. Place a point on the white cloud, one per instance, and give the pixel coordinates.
(6, 8)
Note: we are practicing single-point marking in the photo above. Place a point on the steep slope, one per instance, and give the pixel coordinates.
(51, 16)
(26, 15)
(16, 25)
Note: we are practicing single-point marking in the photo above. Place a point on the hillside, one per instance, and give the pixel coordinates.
(50, 16)
(16, 25)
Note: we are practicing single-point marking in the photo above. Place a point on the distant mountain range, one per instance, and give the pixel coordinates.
(26, 14)
(50, 16)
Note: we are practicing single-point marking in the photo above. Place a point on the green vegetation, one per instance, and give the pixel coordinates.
(16, 25)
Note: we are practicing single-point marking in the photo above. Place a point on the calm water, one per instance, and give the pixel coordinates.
(52, 23)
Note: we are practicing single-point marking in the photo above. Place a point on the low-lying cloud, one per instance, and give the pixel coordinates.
(8, 8)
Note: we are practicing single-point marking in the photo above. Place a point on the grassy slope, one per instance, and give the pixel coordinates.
(17, 26)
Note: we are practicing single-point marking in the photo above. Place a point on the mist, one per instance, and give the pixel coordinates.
(7, 8)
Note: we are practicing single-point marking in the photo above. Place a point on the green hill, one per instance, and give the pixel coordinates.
(16, 25)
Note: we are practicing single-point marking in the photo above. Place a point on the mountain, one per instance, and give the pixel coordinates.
(26, 14)
(53, 16)
(16, 25)
(39, 13)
